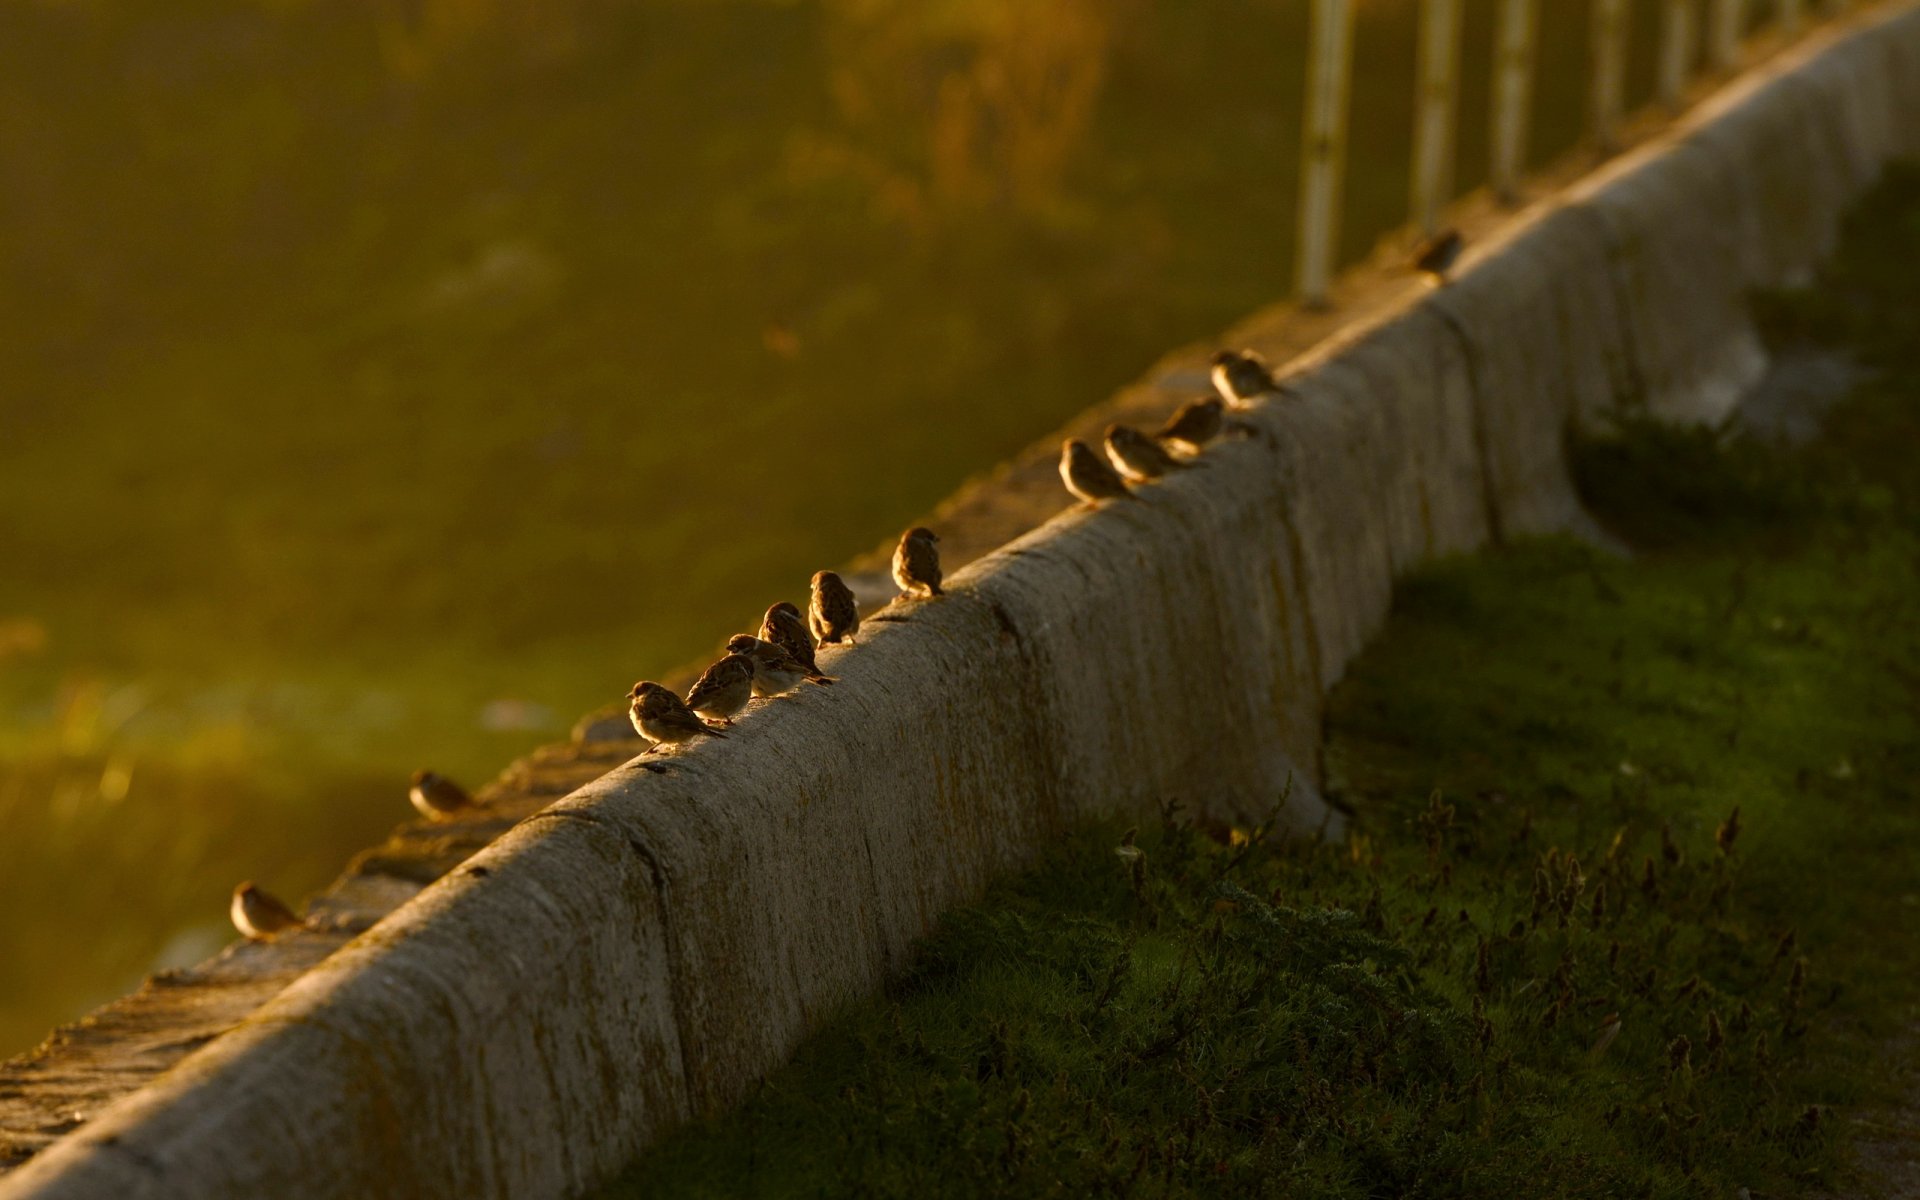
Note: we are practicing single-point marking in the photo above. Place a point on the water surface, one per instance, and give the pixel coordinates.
(382, 390)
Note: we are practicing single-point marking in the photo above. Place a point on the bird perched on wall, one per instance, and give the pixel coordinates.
(1197, 423)
(436, 796)
(723, 689)
(916, 564)
(1242, 377)
(775, 672)
(1138, 457)
(258, 913)
(1435, 256)
(786, 628)
(660, 717)
(833, 616)
(1088, 476)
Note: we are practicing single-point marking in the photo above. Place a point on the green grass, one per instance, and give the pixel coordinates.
(1627, 911)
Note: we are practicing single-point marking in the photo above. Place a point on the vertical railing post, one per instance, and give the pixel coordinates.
(1435, 100)
(1324, 145)
(1607, 97)
(1724, 35)
(1791, 15)
(1676, 51)
(1513, 58)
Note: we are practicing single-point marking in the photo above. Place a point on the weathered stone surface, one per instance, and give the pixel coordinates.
(1548, 345)
(665, 929)
(83, 1068)
(372, 1057)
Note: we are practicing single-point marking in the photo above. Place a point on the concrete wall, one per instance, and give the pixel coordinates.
(648, 947)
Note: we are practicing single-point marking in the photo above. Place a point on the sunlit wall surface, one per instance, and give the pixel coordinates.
(383, 384)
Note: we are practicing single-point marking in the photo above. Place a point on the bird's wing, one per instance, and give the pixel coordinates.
(924, 562)
(702, 686)
(275, 910)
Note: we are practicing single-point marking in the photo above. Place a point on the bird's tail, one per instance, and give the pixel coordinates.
(712, 732)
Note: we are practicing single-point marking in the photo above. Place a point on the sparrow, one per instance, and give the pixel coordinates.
(662, 719)
(787, 629)
(723, 689)
(833, 615)
(258, 914)
(1139, 457)
(1436, 256)
(1241, 378)
(1197, 423)
(775, 673)
(1088, 476)
(436, 796)
(916, 564)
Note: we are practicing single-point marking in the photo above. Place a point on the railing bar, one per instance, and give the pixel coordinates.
(1323, 145)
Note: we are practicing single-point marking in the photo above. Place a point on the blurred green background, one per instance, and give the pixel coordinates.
(381, 385)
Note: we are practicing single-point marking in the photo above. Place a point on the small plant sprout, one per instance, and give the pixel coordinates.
(1809, 1123)
(1615, 847)
(1728, 831)
(1570, 890)
(1783, 946)
(1135, 860)
(1609, 1030)
(1435, 822)
(1680, 1054)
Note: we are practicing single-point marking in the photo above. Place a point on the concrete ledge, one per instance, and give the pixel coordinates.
(646, 948)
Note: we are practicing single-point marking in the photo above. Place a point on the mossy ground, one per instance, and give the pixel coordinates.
(1628, 909)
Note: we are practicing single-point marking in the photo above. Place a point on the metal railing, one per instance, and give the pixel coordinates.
(1516, 43)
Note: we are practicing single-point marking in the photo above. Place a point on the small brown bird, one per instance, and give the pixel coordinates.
(787, 629)
(436, 796)
(1196, 424)
(1088, 476)
(834, 616)
(259, 914)
(1241, 378)
(1139, 457)
(1435, 256)
(723, 689)
(660, 717)
(774, 671)
(916, 564)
